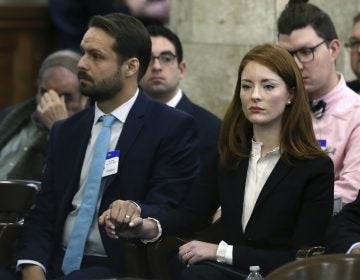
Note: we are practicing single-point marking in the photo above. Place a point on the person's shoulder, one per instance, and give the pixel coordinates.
(204, 113)
(315, 163)
(197, 111)
(354, 85)
(161, 110)
(84, 115)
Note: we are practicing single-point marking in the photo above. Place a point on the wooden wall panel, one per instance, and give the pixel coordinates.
(26, 37)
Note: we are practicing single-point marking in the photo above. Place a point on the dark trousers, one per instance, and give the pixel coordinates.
(204, 271)
(91, 268)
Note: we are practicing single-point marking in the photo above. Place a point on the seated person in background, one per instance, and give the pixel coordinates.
(344, 232)
(354, 46)
(274, 184)
(25, 127)
(309, 34)
(146, 160)
(72, 17)
(162, 82)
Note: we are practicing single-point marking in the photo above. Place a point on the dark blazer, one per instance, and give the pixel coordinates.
(344, 229)
(157, 166)
(292, 210)
(208, 126)
(71, 18)
(354, 85)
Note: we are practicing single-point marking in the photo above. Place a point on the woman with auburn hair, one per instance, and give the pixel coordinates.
(274, 183)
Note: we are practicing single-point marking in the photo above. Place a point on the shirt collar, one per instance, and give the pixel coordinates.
(256, 149)
(173, 102)
(335, 94)
(121, 112)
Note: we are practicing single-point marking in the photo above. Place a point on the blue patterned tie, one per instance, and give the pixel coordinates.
(75, 249)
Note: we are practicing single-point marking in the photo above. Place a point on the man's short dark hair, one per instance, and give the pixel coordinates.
(131, 37)
(300, 14)
(162, 31)
(356, 18)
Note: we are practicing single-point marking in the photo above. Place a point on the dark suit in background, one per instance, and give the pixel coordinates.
(71, 18)
(354, 85)
(293, 210)
(344, 229)
(157, 166)
(208, 126)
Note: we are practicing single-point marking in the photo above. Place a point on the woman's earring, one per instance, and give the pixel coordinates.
(289, 102)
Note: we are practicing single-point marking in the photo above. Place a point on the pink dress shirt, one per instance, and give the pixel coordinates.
(340, 127)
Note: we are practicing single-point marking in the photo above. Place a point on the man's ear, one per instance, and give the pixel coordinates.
(182, 68)
(131, 67)
(334, 47)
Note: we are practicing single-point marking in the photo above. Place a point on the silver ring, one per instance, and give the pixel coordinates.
(127, 217)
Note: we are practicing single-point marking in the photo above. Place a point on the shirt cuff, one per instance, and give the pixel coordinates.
(224, 253)
(352, 247)
(156, 238)
(137, 205)
(20, 263)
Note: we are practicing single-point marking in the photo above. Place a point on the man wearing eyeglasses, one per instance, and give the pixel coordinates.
(354, 46)
(309, 34)
(162, 82)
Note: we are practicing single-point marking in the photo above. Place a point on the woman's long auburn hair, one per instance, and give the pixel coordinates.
(297, 138)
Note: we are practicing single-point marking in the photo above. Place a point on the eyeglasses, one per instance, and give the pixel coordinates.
(164, 58)
(353, 44)
(306, 54)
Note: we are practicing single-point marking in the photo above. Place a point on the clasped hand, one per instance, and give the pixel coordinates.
(122, 219)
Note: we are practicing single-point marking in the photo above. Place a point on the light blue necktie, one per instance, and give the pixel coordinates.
(75, 249)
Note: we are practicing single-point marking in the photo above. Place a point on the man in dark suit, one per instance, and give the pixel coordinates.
(151, 164)
(344, 231)
(162, 82)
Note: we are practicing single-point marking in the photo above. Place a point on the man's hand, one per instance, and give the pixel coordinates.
(122, 219)
(117, 218)
(51, 108)
(196, 251)
(32, 272)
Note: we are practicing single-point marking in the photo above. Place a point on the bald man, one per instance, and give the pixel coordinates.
(24, 127)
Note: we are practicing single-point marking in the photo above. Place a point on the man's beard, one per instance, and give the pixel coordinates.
(103, 90)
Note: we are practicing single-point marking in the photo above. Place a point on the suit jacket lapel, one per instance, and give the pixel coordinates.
(280, 170)
(234, 183)
(131, 129)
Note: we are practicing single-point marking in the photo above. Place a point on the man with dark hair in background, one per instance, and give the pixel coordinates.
(161, 82)
(309, 34)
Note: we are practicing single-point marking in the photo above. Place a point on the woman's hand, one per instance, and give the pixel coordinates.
(196, 251)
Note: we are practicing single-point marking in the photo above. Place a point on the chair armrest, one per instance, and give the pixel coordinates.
(307, 252)
(150, 260)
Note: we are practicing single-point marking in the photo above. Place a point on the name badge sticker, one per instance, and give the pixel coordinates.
(111, 163)
(322, 143)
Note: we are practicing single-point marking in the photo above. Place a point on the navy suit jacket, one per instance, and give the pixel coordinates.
(293, 210)
(208, 130)
(344, 230)
(157, 166)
